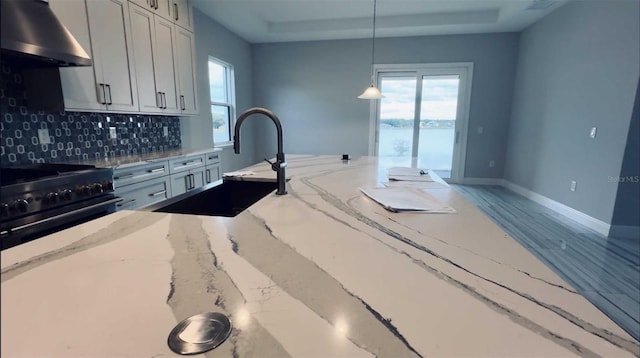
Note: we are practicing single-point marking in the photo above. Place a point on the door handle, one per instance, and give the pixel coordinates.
(102, 94)
(175, 6)
(161, 192)
(110, 102)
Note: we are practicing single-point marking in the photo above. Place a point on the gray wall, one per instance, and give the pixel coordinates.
(577, 69)
(627, 207)
(312, 87)
(197, 132)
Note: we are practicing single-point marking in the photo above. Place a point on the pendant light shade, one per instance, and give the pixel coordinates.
(372, 92)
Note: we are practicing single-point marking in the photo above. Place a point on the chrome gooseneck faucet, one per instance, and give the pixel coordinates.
(280, 163)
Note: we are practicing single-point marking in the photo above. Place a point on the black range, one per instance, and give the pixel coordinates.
(40, 199)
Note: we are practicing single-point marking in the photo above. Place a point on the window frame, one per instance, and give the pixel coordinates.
(231, 99)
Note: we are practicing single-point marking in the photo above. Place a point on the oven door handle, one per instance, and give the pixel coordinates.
(67, 214)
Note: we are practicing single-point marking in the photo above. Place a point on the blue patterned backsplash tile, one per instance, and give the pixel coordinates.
(73, 136)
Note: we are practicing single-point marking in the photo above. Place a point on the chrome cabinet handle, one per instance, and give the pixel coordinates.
(164, 100)
(102, 95)
(175, 6)
(157, 170)
(159, 99)
(110, 102)
(182, 103)
(161, 192)
(207, 174)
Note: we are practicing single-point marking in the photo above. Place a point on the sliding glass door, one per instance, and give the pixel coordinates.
(422, 120)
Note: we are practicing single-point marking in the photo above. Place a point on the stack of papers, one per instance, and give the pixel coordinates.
(410, 174)
(399, 199)
(238, 174)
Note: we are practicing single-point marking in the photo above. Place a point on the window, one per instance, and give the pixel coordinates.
(222, 95)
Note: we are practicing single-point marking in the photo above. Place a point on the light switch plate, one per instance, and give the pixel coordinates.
(593, 131)
(574, 184)
(43, 136)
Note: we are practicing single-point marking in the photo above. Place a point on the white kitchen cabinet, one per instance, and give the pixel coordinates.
(158, 7)
(145, 193)
(143, 184)
(185, 181)
(104, 31)
(153, 40)
(212, 167)
(181, 13)
(184, 55)
(187, 173)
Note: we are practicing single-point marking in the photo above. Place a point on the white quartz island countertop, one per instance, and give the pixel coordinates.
(321, 272)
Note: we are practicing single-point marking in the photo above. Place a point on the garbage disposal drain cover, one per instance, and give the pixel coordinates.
(199, 333)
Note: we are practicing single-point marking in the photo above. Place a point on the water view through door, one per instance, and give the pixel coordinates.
(418, 119)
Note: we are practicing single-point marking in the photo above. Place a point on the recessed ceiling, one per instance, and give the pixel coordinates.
(260, 21)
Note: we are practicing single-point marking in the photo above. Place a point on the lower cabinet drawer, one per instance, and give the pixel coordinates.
(139, 195)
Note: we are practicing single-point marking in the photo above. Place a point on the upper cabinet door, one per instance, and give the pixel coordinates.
(184, 56)
(181, 13)
(165, 70)
(78, 83)
(111, 39)
(144, 40)
(158, 7)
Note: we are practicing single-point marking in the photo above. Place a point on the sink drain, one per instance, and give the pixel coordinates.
(199, 333)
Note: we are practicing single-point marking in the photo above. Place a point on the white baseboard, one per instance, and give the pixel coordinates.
(624, 232)
(483, 181)
(584, 219)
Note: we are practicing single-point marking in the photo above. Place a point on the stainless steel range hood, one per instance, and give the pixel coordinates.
(32, 31)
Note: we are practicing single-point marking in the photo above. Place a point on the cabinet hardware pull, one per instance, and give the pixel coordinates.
(156, 4)
(190, 163)
(175, 6)
(159, 99)
(208, 175)
(187, 181)
(109, 91)
(182, 103)
(130, 201)
(152, 4)
(164, 100)
(157, 170)
(161, 192)
(102, 99)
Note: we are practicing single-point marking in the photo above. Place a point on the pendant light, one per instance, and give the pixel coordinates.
(372, 92)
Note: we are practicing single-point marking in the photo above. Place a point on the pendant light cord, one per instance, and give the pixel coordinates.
(373, 40)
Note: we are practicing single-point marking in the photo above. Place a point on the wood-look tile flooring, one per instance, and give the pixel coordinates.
(606, 271)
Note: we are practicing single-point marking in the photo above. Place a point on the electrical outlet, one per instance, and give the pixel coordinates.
(166, 131)
(43, 136)
(480, 130)
(592, 133)
(112, 133)
(574, 184)
(492, 164)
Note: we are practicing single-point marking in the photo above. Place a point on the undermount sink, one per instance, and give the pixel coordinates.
(227, 199)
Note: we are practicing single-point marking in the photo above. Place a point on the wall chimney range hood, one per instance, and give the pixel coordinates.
(32, 33)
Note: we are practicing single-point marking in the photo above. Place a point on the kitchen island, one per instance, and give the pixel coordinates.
(323, 271)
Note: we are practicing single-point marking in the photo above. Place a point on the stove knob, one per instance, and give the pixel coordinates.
(22, 205)
(65, 195)
(96, 188)
(107, 185)
(51, 198)
(85, 190)
(4, 209)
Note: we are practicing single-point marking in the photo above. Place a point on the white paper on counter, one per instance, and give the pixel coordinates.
(238, 174)
(409, 174)
(417, 184)
(398, 199)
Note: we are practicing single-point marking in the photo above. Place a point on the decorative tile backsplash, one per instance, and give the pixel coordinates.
(39, 137)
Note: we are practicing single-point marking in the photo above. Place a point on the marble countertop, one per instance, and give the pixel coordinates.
(323, 271)
(135, 159)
